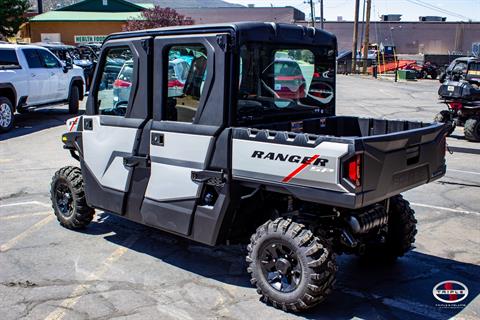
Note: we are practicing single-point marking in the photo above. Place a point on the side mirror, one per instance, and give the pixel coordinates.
(68, 65)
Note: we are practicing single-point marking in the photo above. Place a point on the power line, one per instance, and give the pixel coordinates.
(438, 9)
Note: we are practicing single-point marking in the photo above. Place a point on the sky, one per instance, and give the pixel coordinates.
(454, 10)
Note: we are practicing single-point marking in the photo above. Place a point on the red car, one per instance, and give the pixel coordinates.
(289, 80)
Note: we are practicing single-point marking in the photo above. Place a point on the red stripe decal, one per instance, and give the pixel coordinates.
(300, 168)
(73, 123)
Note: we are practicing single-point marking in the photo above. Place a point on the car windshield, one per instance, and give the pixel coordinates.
(278, 82)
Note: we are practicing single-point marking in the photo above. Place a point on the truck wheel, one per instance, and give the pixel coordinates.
(445, 116)
(402, 228)
(471, 129)
(68, 198)
(291, 267)
(73, 100)
(6, 114)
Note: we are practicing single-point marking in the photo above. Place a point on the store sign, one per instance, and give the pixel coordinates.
(86, 38)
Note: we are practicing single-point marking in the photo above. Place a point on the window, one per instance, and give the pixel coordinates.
(276, 82)
(116, 82)
(187, 72)
(49, 60)
(33, 58)
(8, 58)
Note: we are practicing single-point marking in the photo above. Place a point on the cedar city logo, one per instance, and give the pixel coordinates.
(450, 291)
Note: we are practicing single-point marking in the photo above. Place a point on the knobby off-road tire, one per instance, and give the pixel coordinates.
(402, 228)
(444, 116)
(471, 129)
(305, 263)
(68, 198)
(74, 100)
(6, 114)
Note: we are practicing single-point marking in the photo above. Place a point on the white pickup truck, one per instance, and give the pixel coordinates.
(31, 76)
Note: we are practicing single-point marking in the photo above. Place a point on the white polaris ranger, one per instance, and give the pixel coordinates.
(245, 147)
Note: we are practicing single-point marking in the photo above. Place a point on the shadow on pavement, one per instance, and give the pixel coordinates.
(365, 290)
(37, 120)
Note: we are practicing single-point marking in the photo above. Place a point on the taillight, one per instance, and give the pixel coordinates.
(175, 83)
(455, 105)
(121, 84)
(354, 169)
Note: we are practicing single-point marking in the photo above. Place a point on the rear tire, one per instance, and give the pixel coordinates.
(68, 199)
(292, 268)
(6, 114)
(402, 228)
(74, 100)
(471, 129)
(445, 116)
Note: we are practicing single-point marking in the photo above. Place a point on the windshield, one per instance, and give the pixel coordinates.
(278, 83)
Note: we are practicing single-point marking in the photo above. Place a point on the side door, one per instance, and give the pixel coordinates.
(112, 127)
(55, 73)
(188, 115)
(38, 77)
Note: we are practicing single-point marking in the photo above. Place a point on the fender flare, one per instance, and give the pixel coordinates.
(8, 85)
(76, 78)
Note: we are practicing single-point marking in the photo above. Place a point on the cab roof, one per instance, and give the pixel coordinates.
(245, 32)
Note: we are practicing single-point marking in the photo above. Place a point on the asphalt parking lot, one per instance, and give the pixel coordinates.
(118, 269)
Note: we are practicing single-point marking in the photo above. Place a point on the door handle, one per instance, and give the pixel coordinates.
(52, 73)
(158, 139)
(87, 124)
(33, 75)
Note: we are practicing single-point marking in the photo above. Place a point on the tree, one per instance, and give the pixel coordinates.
(12, 15)
(155, 18)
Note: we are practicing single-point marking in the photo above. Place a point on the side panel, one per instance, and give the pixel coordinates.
(317, 167)
(104, 150)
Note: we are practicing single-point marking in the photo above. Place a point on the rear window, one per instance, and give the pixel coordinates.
(8, 58)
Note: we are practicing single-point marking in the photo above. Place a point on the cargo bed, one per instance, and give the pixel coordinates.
(315, 159)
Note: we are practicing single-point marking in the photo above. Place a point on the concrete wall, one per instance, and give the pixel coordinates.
(413, 37)
(69, 29)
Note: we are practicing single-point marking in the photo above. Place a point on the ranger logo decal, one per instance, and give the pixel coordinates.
(290, 158)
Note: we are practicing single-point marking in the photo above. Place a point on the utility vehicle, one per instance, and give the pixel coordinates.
(233, 160)
(461, 93)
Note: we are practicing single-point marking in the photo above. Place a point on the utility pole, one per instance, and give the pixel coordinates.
(355, 37)
(312, 10)
(367, 35)
(321, 14)
(39, 6)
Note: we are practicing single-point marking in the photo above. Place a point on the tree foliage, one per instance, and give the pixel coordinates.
(155, 18)
(12, 15)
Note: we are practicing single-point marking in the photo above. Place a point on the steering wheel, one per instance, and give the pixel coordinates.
(120, 108)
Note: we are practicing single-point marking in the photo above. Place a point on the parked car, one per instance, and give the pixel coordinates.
(289, 80)
(423, 71)
(177, 76)
(298, 185)
(31, 76)
(71, 54)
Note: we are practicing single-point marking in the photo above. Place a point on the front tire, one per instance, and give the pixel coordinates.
(74, 100)
(68, 199)
(292, 268)
(6, 114)
(471, 129)
(402, 228)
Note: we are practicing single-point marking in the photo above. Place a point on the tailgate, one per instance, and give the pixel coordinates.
(395, 162)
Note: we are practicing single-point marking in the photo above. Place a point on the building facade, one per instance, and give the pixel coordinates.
(93, 20)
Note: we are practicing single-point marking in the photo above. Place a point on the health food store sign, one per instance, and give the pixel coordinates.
(87, 38)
